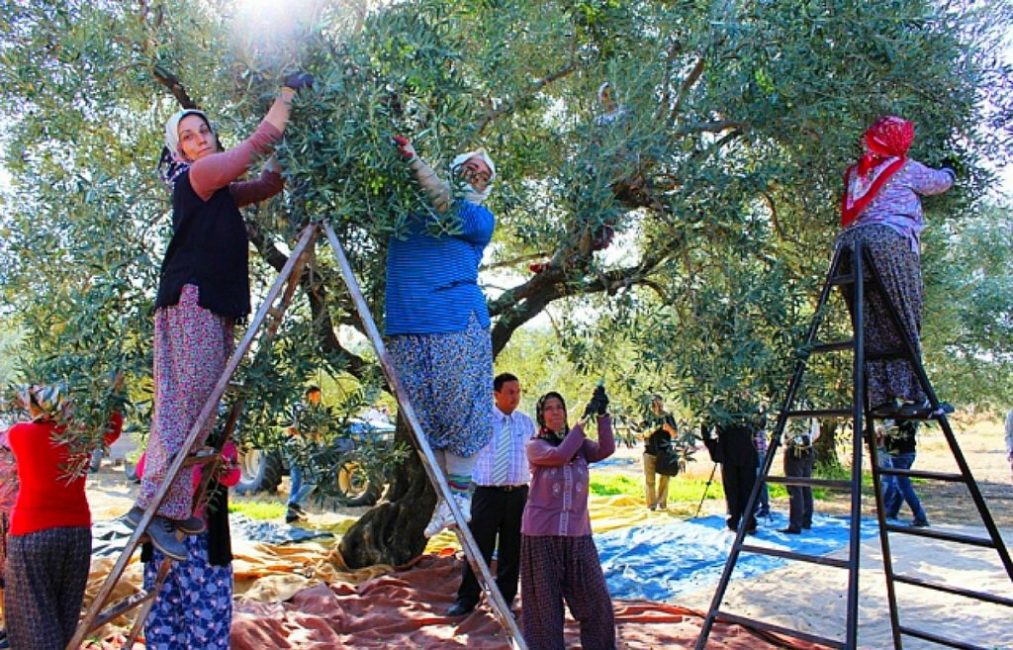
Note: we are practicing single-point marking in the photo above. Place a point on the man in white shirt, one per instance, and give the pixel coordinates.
(501, 479)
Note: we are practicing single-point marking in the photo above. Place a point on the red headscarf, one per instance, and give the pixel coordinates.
(888, 140)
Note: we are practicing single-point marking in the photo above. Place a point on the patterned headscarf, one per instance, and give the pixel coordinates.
(886, 144)
(471, 194)
(888, 137)
(42, 403)
(172, 158)
(545, 432)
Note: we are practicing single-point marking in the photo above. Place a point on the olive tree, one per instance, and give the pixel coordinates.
(677, 237)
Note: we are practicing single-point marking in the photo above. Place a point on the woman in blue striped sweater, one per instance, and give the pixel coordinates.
(437, 320)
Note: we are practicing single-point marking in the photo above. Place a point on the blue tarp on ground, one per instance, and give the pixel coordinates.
(659, 562)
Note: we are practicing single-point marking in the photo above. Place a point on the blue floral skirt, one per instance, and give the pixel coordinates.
(193, 608)
(448, 379)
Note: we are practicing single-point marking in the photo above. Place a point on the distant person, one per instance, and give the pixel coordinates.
(799, 457)
(501, 489)
(733, 448)
(760, 442)
(663, 431)
(887, 482)
(300, 487)
(901, 444)
(559, 561)
(49, 541)
(881, 208)
(1009, 441)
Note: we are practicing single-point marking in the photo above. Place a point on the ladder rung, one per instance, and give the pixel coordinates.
(791, 555)
(820, 413)
(122, 607)
(812, 482)
(938, 534)
(959, 591)
(778, 629)
(893, 355)
(831, 347)
(838, 280)
(941, 640)
(919, 473)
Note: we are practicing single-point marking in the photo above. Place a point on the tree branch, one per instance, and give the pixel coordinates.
(510, 106)
(170, 81)
(687, 85)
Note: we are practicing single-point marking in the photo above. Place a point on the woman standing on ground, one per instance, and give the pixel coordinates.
(559, 561)
(881, 208)
(49, 542)
(204, 288)
(437, 320)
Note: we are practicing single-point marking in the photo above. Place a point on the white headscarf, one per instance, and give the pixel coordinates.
(471, 194)
(172, 129)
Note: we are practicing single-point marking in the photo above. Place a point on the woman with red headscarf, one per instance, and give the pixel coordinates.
(881, 208)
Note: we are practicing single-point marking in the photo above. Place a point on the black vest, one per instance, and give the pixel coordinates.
(209, 249)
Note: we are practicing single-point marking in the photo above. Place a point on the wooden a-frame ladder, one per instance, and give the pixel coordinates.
(271, 313)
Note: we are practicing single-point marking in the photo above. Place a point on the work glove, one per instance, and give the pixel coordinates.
(404, 147)
(953, 164)
(599, 402)
(298, 80)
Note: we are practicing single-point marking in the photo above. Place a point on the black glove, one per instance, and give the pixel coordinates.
(298, 80)
(952, 163)
(599, 402)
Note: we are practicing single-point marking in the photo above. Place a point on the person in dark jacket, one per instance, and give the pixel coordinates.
(663, 431)
(734, 449)
(203, 289)
(901, 443)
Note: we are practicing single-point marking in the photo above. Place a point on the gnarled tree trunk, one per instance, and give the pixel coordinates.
(391, 533)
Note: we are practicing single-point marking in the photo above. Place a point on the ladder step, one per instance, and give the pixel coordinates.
(941, 640)
(726, 617)
(918, 473)
(830, 347)
(938, 534)
(122, 607)
(791, 555)
(820, 413)
(959, 591)
(838, 280)
(812, 482)
(892, 355)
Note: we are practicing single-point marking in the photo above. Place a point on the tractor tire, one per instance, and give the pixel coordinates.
(259, 471)
(355, 487)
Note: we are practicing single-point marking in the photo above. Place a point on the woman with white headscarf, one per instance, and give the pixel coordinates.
(437, 320)
(203, 289)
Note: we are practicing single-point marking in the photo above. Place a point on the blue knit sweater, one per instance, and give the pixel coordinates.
(432, 282)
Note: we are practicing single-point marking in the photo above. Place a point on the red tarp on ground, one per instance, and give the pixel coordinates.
(403, 609)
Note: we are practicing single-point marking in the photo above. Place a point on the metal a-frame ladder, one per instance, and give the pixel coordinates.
(272, 311)
(852, 267)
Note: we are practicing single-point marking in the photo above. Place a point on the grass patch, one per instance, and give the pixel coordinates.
(260, 510)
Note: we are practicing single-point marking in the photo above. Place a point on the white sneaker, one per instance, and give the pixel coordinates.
(464, 503)
(442, 517)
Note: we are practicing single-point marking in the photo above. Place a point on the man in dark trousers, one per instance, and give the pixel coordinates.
(501, 489)
(799, 456)
(734, 449)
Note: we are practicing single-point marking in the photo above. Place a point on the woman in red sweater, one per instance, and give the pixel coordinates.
(49, 543)
(203, 289)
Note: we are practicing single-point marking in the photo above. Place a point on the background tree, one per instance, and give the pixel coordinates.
(719, 182)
